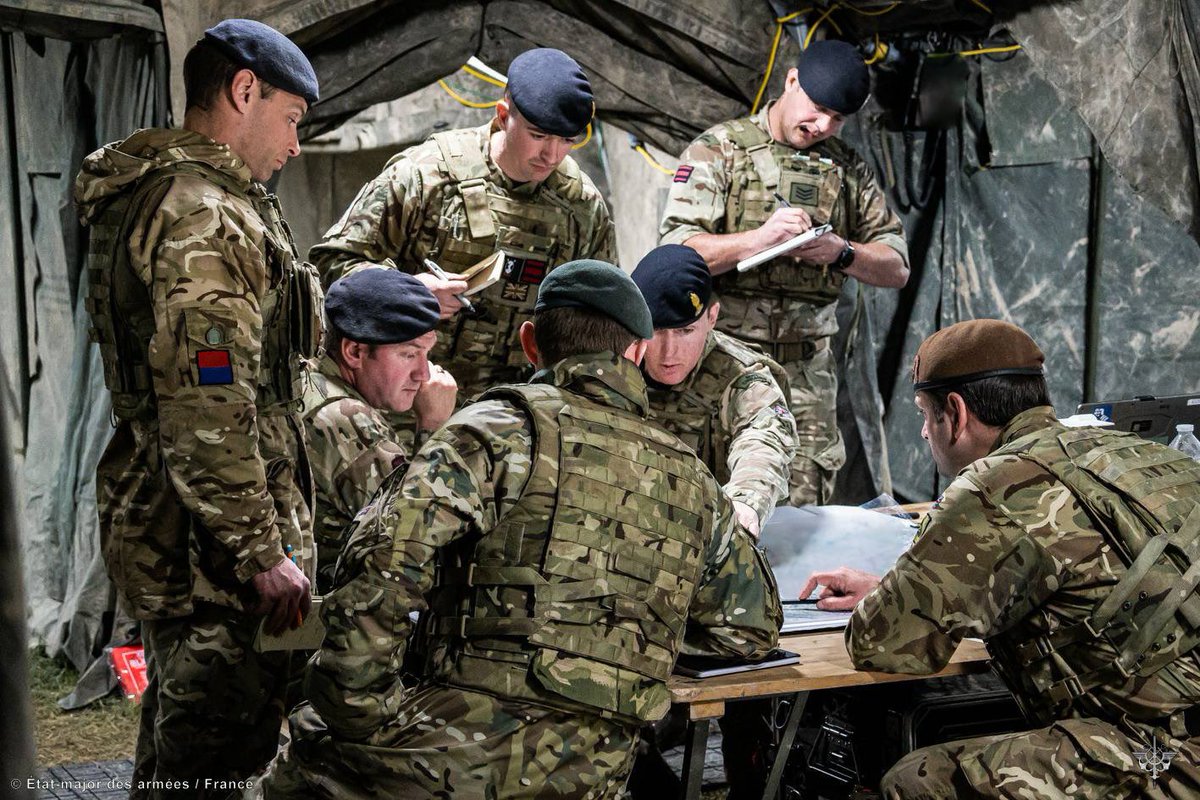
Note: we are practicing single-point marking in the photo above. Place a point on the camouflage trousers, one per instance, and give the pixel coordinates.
(1075, 759)
(212, 709)
(820, 452)
(449, 742)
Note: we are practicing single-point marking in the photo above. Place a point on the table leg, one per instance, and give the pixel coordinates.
(693, 758)
(785, 745)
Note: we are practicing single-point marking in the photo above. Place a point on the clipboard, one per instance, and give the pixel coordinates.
(783, 247)
(307, 637)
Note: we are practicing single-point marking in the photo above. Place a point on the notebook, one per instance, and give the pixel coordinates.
(483, 274)
(706, 667)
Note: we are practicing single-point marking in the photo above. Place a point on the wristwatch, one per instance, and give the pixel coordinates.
(845, 258)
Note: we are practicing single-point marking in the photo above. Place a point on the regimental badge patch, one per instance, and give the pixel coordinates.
(524, 270)
(683, 173)
(215, 367)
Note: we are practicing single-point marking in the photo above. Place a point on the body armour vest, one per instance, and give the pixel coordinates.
(1145, 500)
(759, 167)
(579, 596)
(693, 413)
(123, 319)
(477, 218)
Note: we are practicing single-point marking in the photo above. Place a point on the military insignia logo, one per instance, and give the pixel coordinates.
(214, 367)
(696, 304)
(1155, 759)
(515, 291)
(214, 336)
(683, 173)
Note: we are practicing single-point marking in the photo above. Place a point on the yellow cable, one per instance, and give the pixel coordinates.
(820, 21)
(483, 76)
(762, 87)
(985, 50)
(878, 13)
(881, 50)
(586, 138)
(463, 100)
(981, 5)
(652, 161)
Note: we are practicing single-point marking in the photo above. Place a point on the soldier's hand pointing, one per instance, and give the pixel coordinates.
(843, 588)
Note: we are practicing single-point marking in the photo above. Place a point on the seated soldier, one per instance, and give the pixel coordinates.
(1072, 553)
(561, 550)
(725, 400)
(379, 330)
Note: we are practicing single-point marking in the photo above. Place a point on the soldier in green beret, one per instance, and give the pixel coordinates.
(205, 315)
(1073, 553)
(561, 550)
(461, 195)
(748, 184)
(378, 334)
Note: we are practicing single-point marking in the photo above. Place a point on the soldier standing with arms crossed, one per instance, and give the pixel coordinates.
(203, 314)
(748, 184)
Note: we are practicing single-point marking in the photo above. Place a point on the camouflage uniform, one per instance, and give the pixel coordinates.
(726, 184)
(732, 411)
(352, 447)
(1026, 549)
(552, 616)
(203, 316)
(445, 199)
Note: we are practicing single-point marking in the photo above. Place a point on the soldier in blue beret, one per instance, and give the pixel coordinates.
(748, 184)
(461, 195)
(378, 333)
(206, 320)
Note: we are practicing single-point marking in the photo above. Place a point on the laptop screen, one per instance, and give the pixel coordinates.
(1149, 417)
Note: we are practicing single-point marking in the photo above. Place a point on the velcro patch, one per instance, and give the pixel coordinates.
(683, 173)
(524, 270)
(215, 367)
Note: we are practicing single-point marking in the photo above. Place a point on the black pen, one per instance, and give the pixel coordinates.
(782, 202)
(813, 600)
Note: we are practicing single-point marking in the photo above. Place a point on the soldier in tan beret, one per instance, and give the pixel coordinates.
(1070, 551)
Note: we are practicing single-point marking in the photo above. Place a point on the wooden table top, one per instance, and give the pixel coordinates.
(824, 664)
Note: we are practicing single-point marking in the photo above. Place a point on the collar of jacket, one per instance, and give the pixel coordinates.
(1025, 423)
(606, 378)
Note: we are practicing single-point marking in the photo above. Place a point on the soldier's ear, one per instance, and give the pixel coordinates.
(637, 351)
(241, 89)
(529, 343)
(714, 311)
(353, 353)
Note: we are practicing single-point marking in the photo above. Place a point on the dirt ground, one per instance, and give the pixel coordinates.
(103, 731)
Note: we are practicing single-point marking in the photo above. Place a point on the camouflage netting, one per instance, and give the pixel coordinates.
(1055, 186)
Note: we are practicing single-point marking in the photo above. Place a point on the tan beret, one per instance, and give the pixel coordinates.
(973, 350)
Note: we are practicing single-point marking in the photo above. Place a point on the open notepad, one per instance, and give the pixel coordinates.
(483, 274)
(781, 248)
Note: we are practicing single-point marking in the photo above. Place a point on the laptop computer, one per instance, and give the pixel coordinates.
(1147, 416)
(808, 539)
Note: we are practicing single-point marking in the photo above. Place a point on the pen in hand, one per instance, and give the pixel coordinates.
(441, 273)
(782, 203)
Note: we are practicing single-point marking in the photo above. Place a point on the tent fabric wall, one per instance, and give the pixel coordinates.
(87, 93)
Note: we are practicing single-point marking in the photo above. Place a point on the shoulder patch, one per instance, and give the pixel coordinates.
(215, 367)
(683, 173)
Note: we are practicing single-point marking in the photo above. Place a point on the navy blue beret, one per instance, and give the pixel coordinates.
(381, 306)
(598, 286)
(268, 53)
(832, 74)
(551, 91)
(676, 283)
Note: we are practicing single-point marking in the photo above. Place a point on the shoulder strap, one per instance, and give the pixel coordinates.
(468, 170)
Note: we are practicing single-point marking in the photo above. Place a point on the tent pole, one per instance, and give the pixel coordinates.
(1097, 205)
(18, 232)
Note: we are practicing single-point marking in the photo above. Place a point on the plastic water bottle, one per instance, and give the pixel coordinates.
(1186, 442)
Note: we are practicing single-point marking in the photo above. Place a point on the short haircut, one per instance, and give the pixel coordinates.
(333, 342)
(207, 72)
(564, 332)
(996, 400)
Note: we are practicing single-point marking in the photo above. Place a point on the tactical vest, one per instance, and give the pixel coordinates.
(693, 413)
(1145, 500)
(571, 599)
(478, 218)
(760, 167)
(122, 313)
